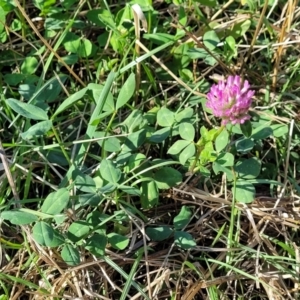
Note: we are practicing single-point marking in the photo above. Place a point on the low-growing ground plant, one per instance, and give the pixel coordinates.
(149, 149)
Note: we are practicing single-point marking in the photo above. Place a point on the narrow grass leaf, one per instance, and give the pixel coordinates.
(126, 91)
(70, 101)
(126, 276)
(27, 110)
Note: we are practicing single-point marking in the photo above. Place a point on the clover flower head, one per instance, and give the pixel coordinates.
(230, 100)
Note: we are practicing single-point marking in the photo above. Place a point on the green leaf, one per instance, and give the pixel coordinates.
(225, 159)
(96, 244)
(246, 128)
(70, 255)
(187, 131)
(159, 233)
(183, 218)
(78, 230)
(244, 192)
(239, 29)
(29, 65)
(56, 202)
(244, 145)
(118, 241)
(184, 115)
(211, 39)
(210, 3)
(178, 146)
(165, 117)
(109, 172)
(261, 132)
(27, 110)
(106, 18)
(167, 177)
(222, 140)
(85, 183)
(248, 168)
(38, 129)
(220, 168)
(126, 91)
(46, 235)
(187, 153)
(184, 240)
(149, 194)
(134, 140)
(70, 101)
(17, 217)
(279, 130)
(2, 18)
(160, 135)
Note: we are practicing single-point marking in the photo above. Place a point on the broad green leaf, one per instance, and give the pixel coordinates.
(167, 177)
(50, 89)
(244, 192)
(109, 105)
(2, 18)
(78, 230)
(160, 135)
(109, 172)
(184, 115)
(70, 255)
(165, 117)
(222, 140)
(56, 202)
(106, 18)
(225, 159)
(220, 168)
(248, 168)
(261, 132)
(159, 233)
(239, 29)
(178, 146)
(118, 241)
(96, 244)
(246, 128)
(149, 194)
(27, 110)
(46, 235)
(38, 129)
(134, 140)
(17, 217)
(244, 145)
(184, 240)
(70, 101)
(85, 183)
(183, 218)
(187, 153)
(111, 143)
(29, 65)
(187, 131)
(211, 39)
(126, 91)
(279, 130)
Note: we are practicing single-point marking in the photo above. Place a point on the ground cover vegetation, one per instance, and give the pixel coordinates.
(149, 149)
